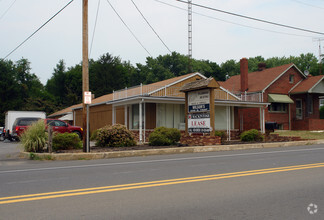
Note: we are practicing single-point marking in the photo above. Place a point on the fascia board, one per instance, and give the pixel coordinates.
(180, 80)
(310, 90)
(293, 65)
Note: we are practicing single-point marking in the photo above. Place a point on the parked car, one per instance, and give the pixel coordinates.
(62, 127)
(2, 133)
(20, 125)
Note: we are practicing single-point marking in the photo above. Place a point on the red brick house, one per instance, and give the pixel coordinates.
(293, 96)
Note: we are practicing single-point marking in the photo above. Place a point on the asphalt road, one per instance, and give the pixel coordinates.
(278, 183)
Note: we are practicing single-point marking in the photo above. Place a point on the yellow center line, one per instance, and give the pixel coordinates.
(94, 190)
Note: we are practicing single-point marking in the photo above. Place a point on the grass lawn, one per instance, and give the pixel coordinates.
(302, 134)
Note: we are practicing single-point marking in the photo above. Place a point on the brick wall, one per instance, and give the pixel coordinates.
(308, 124)
(200, 140)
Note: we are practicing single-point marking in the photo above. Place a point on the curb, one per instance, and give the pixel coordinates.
(164, 151)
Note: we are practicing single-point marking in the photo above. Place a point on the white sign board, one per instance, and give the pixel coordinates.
(198, 101)
(199, 123)
(87, 97)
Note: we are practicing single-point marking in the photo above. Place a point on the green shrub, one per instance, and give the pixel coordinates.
(34, 138)
(66, 141)
(94, 135)
(221, 134)
(322, 112)
(163, 136)
(115, 136)
(251, 135)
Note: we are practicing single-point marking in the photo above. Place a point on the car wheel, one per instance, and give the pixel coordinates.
(78, 133)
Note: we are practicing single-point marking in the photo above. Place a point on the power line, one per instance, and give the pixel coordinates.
(38, 29)
(151, 26)
(128, 28)
(254, 19)
(303, 3)
(230, 22)
(7, 9)
(94, 29)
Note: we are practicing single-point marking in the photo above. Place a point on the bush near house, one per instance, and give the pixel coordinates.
(66, 141)
(94, 135)
(34, 138)
(322, 112)
(163, 136)
(115, 136)
(221, 134)
(251, 135)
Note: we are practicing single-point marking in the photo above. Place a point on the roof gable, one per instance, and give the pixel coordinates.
(307, 85)
(259, 80)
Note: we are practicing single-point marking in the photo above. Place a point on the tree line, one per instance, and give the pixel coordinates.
(22, 90)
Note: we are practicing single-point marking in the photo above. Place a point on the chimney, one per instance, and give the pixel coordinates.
(262, 66)
(244, 74)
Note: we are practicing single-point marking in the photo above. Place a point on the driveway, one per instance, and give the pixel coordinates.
(9, 150)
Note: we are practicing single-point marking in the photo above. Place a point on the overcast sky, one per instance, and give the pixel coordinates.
(216, 36)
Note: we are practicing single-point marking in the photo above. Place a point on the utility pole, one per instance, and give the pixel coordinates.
(320, 55)
(189, 36)
(85, 72)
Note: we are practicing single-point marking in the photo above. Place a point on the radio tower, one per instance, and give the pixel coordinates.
(189, 36)
(320, 55)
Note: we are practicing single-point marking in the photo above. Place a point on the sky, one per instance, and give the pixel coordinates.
(216, 36)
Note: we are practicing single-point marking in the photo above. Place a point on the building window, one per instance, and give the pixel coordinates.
(299, 109)
(278, 107)
(310, 108)
(321, 103)
(291, 78)
(170, 115)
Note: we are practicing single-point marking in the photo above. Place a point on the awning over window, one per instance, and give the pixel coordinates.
(279, 98)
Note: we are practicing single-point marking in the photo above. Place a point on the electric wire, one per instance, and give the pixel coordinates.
(254, 19)
(303, 3)
(128, 27)
(150, 26)
(39, 28)
(94, 29)
(230, 22)
(7, 9)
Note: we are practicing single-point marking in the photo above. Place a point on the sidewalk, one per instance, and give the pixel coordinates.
(174, 150)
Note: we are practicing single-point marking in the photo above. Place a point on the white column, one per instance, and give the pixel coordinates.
(144, 121)
(140, 123)
(113, 120)
(126, 121)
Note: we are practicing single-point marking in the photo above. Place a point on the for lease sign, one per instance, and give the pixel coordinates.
(199, 122)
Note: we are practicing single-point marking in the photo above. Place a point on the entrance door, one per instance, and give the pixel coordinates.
(299, 109)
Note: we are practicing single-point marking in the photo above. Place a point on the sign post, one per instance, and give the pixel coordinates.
(200, 109)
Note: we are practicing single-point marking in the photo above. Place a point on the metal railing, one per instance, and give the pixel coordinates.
(171, 91)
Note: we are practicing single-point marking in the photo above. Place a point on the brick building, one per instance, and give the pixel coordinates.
(294, 97)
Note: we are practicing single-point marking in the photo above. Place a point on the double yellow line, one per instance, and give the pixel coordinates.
(103, 189)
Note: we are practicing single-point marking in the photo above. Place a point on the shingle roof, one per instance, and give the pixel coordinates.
(307, 84)
(64, 111)
(134, 90)
(257, 80)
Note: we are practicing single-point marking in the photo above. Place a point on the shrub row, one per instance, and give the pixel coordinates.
(114, 136)
(163, 136)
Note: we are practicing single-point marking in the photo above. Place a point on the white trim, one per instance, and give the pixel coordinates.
(295, 86)
(225, 90)
(180, 80)
(310, 90)
(293, 65)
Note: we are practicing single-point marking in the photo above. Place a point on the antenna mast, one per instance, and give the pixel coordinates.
(320, 55)
(189, 36)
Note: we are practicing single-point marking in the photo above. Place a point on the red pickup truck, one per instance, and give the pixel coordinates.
(62, 127)
(58, 126)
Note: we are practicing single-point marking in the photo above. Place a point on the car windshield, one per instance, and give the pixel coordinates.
(26, 121)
